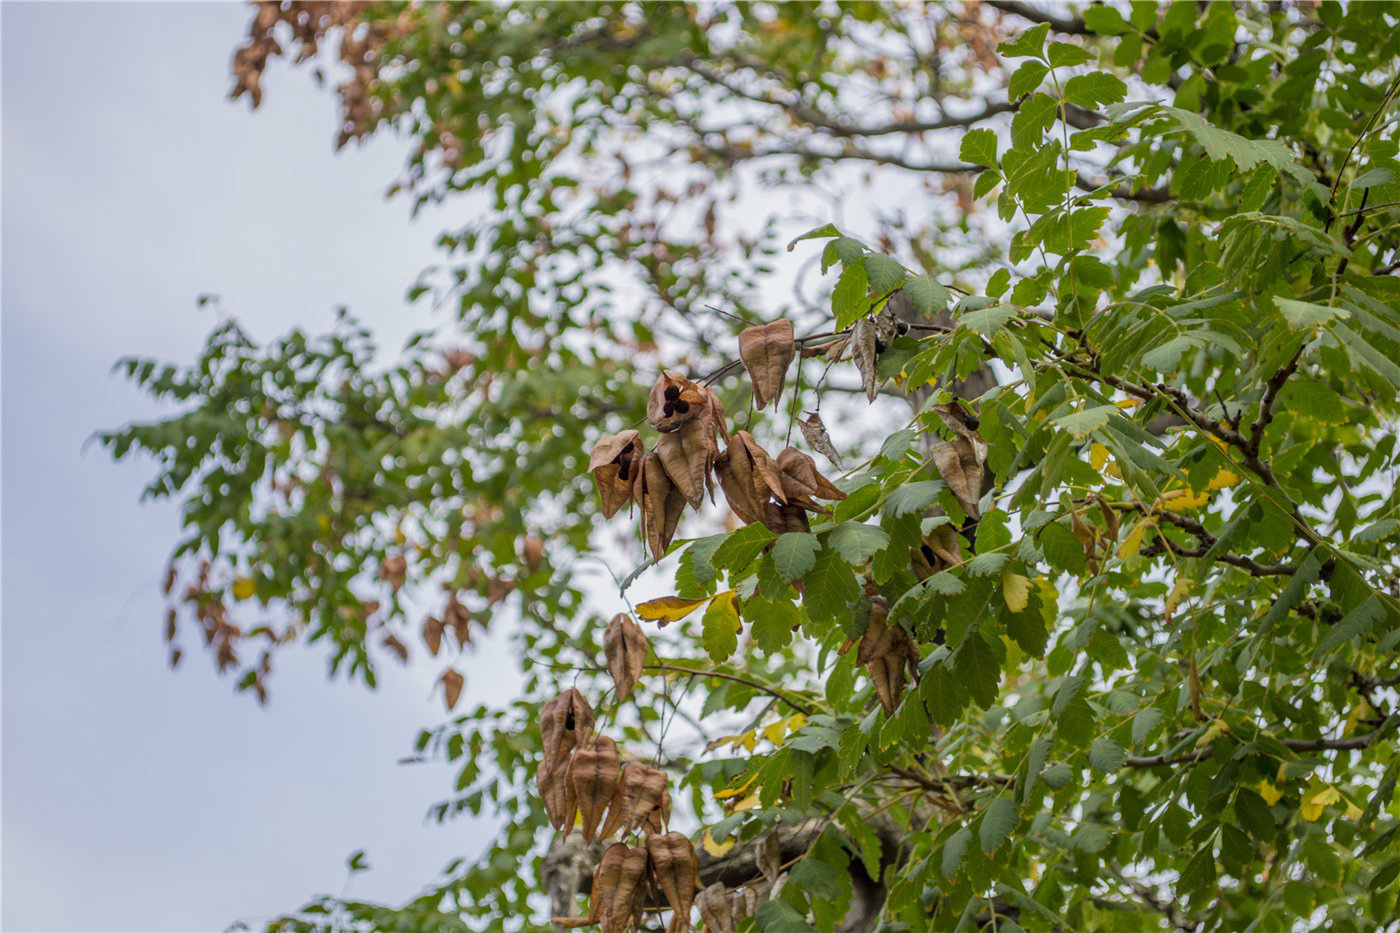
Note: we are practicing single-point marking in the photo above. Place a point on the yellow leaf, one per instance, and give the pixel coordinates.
(1126, 403)
(749, 739)
(1223, 480)
(736, 791)
(243, 588)
(717, 849)
(748, 803)
(1179, 590)
(1183, 500)
(1270, 793)
(668, 609)
(1359, 710)
(1353, 811)
(1316, 798)
(1017, 590)
(776, 731)
(1133, 542)
(1212, 733)
(796, 721)
(1098, 456)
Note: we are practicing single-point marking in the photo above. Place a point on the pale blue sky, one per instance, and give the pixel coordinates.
(135, 798)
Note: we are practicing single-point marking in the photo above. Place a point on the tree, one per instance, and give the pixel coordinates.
(1097, 627)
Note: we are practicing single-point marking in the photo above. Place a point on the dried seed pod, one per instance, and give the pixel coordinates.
(674, 400)
(660, 817)
(780, 519)
(735, 472)
(960, 461)
(553, 781)
(593, 773)
(939, 551)
(716, 909)
(616, 465)
(606, 875)
(802, 482)
(662, 506)
(625, 904)
(814, 430)
(687, 455)
(766, 352)
(641, 791)
(676, 868)
(886, 651)
(863, 352)
(566, 722)
(625, 647)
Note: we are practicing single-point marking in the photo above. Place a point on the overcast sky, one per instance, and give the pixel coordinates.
(135, 798)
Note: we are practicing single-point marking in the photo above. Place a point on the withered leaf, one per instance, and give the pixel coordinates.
(687, 455)
(452, 682)
(662, 506)
(674, 400)
(593, 772)
(863, 352)
(766, 352)
(959, 461)
(625, 647)
(676, 869)
(616, 463)
(814, 430)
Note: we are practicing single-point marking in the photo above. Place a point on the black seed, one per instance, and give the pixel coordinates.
(682, 407)
(901, 327)
(928, 553)
(623, 469)
(668, 409)
(879, 346)
(569, 720)
(673, 393)
(972, 421)
(626, 450)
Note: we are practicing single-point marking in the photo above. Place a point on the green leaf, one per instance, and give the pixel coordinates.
(1083, 423)
(771, 623)
(830, 588)
(742, 547)
(794, 553)
(987, 321)
(980, 146)
(1303, 315)
(1025, 81)
(943, 694)
(1357, 622)
(926, 294)
(777, 916)
(1105, 20)
(1030, 43)
(1144, 722)
(1106, 755)
(885, 274)
(914, 497)
(1065, 55)
(998, 820)
(954, 851)
(848, 300)
(857, 542)
(978, 663)
(1095, 89)
(1057, 776)
(720, 626)
(816, 233)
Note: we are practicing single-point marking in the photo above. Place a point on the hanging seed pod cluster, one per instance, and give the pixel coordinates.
(583, 782)
(688, 462)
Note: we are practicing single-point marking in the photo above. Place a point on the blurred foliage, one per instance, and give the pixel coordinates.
(1155, 680)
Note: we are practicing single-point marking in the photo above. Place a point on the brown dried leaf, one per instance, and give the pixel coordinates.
(616, 463)
(593, 773)
(959, 461)
(662, 506)
(766, 352)
(676, 869)
(674, 400)
(452, 682)
(814, 430)
(625, 647)
(687, 455)
(863, 352)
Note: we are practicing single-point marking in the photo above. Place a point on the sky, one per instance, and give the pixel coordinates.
(133, 797)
